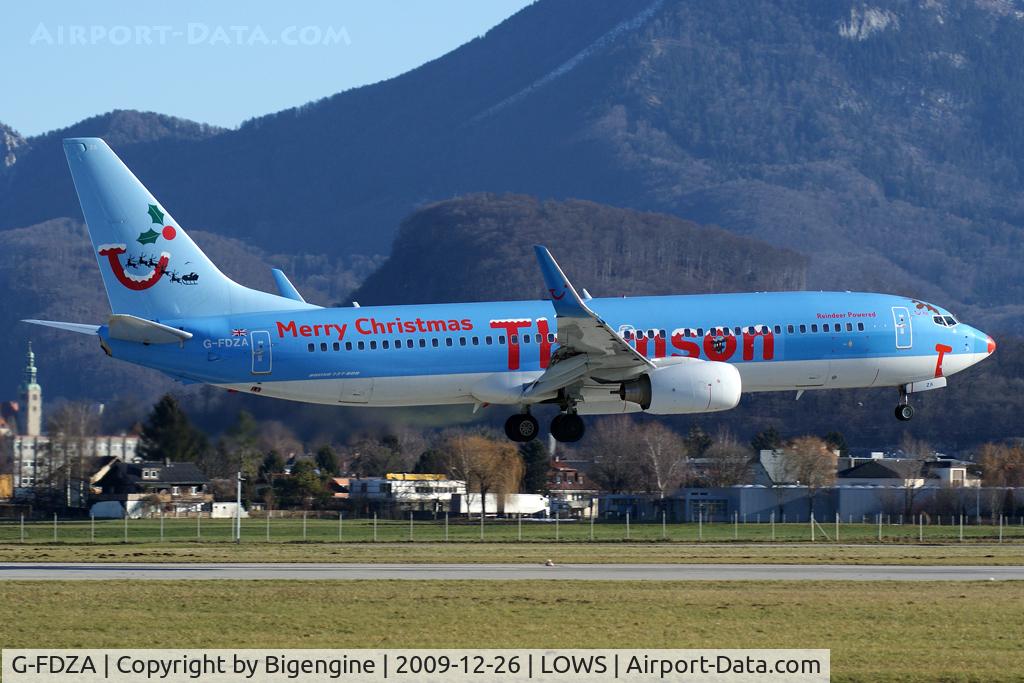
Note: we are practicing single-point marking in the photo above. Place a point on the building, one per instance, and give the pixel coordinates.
(571, 491)
(148, 488)
(401, 493)
(31, 396)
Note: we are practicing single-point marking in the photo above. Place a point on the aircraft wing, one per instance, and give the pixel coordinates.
(588, 344)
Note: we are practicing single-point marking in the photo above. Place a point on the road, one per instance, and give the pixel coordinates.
(84, 571)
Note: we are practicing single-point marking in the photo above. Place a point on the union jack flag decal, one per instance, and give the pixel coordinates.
(239, 332)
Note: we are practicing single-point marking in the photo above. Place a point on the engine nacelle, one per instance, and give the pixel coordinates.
(694, 387)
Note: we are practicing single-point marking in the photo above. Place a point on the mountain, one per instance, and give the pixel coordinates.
(10, 141)
(479, 248)
(880, 139)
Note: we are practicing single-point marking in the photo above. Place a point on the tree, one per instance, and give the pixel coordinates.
(663, 458)
(431, 461)
(837, 442)
(70, 427)
(273, 463)
(168, 434)
(536, 462)
(1002, 465)
(612, 447)
(728, 461)
(327, 460)
(768, 440)
(808, 460)
(373, 458)
(487, 465)
(697, 441)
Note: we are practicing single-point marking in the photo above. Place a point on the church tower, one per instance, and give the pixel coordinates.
(31, 396)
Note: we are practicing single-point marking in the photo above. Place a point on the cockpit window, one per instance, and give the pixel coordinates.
(938, 320)
(950, 320)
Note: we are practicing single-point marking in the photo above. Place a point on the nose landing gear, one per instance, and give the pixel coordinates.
(904, 411)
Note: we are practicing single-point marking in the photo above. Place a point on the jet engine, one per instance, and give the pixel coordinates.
(694, 387)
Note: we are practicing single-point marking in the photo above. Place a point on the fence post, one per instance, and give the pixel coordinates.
(837, 527)
(54, 527)
(199, 525)
(961, 528)
(812, 526)
(341, 515)
(920, 528)
(23, 527)
(126, 525)
(700, 525)
(446, 526)
(736, 525)
(556, 525)
(304, 524)
(161, 526)
(879, 527)
(374, 527)
(664, 531)
(270, 513)
(481, 522)
(1000, 528)
(410, 525)
(627, 525)
(771, 518)
(591, 525)
(92, 528)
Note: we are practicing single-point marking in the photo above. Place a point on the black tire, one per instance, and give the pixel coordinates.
(522, 428)
(904, 412)
(567, 428)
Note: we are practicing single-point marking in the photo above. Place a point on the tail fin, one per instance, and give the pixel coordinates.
(150, 267)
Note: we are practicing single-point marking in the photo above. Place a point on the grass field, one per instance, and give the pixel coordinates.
(876, 631)
(362, 530)
(538, 552)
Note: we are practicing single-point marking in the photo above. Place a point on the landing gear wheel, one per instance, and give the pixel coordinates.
(522, 427)
(567, 427)
(904, 412)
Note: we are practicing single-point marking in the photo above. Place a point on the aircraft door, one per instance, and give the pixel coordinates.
(904, 328)
(259, 343)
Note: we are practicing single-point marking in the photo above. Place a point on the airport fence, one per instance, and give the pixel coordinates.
(341, 528)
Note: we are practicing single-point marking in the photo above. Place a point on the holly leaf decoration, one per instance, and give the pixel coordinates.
(156, 214)
(148, 237)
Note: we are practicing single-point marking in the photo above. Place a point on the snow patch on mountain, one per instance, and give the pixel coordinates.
(865, 22)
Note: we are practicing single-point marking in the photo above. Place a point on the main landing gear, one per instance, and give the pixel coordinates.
(565, 427)
(904, 411)
(522, 427)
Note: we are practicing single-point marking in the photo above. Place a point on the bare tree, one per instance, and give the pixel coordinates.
(809, 461)
(663, 457)
(1002, 465)
(728, 461)
(917, 452)
(612, 447)
(71, 427)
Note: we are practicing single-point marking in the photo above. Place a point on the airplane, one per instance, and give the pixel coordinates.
(663, 355)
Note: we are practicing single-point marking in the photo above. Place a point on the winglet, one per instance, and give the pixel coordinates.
(285, 286)
(563, 295)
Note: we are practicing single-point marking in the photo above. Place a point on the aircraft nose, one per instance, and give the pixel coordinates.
(991, 344)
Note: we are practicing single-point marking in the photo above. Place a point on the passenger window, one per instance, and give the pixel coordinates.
(311, 347)
(423, 343)
(627, 334)
(789, 329)
(323, 346)
(778, 329)
(408, 343)
(551, 338)
(526, 339)
(700, 331)
(337, 346)
(860, 327)
(434, 342)
(488, 340)
(640, 334)
(513, 339)
(348, 346)
(448, 341)
(849, 327)
(373, 344)
(384, 344)
(501, 339)
(362, 346)
(803, 329)
(476, 341)
(814, 327)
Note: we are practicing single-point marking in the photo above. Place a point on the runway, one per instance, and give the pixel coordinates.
(37, 571)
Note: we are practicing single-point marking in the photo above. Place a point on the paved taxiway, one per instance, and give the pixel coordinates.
(505, 572)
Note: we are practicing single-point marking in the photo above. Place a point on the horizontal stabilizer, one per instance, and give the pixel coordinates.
(285, 286)
(80, 328)
(130, 328)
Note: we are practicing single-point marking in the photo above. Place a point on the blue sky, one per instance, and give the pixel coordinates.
(215, 62)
